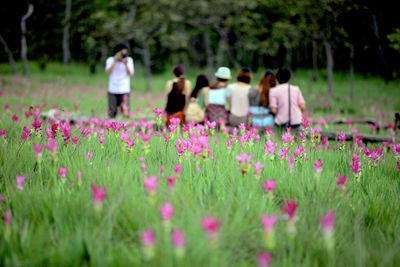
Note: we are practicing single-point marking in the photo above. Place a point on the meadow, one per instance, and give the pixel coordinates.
(129, 193)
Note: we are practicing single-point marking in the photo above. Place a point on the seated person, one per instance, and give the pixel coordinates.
(177, 93)
(259, 101)
(286, 101)
(215, 97)
(195, 110)
(238, 98)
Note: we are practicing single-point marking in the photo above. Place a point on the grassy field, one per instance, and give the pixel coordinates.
(53, 218)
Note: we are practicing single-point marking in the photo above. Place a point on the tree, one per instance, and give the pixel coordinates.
(23, 39)
(65, 42)
(10, 55)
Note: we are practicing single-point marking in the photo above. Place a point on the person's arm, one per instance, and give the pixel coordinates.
(301, 101)
(128, 62)
(273, 103)
(188, 84)
(111, 62)
(229, 97)
(168, 88)
(206, 97)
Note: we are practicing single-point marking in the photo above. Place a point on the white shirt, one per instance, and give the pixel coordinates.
(120, 82)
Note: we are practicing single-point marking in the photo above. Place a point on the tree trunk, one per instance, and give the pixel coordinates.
(329, 65)
(351, 71)
(9, 54)
(288, 56)
(23, 39)
(209, 52)
(65, 43)
(386, 71)
(314, 60)
(147, 65)
(103, 54)
(220, 53)
(185, 60)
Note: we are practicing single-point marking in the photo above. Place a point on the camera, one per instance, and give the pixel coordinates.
(124, 55)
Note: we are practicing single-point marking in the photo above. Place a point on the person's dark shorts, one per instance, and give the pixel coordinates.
(115, 101)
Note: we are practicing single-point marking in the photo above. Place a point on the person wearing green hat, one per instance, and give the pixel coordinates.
(215, 97)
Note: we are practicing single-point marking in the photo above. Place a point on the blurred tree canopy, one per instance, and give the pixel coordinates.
(203, 33)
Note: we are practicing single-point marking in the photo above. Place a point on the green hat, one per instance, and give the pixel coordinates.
(223, 73)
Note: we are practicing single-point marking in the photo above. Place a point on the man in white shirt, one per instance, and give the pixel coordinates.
(120, 67)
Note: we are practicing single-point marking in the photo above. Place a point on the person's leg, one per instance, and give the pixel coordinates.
(112, 105)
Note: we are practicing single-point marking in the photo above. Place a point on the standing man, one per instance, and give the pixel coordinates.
(120, 67)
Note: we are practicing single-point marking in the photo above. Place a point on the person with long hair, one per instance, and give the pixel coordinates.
(259, 100)
(286, 101)
(215, 97)
(238, 98)
(177, 93)
(196, 108)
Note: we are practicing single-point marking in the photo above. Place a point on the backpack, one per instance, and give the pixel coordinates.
(194, 112)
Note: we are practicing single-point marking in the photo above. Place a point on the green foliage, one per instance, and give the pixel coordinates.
(394, 39)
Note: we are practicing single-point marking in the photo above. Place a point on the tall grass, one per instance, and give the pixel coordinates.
(55, 223)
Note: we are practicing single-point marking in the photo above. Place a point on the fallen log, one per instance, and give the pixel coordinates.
(355, 121)
(365, 139)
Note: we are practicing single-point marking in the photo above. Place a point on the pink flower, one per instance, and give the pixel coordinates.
(19, 179)
(148, 237)
(74, 140)
(298, 151)
(283, 152)
(166, 211)
(177, 168)
(150, 183)
(37, 124)
(318, 166)
(290, 208)
(287, 138)
(210, 225)
(290, 161)
(177, 238)
(8, 218)
(171, 180)
(89, 155)
(304, 123)
(62, 172)
(79, 175)
(99, 194)
(101, 139)
(341, 180)
(264, 259)
(258, 167)
(143, 167)
(268, 222)
(328, 221)
(398, 165)
(14, 117)
(157, 111)
(76, 106)
(269, 186)
(1, 198)
(244, 158)
(162, 169)
(355, 164)
(52, 146)
(342, 137)
(38, 150)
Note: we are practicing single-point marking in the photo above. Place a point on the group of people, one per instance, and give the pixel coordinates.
(265, 104)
